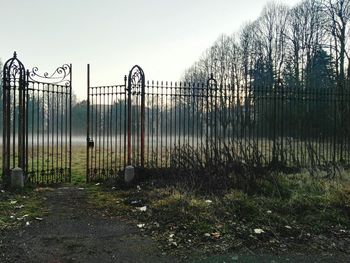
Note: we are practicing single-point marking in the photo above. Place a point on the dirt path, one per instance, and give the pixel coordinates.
(74, 233)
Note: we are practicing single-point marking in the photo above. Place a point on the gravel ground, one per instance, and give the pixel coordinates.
(72, 232)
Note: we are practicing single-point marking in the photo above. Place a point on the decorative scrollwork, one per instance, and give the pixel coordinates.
(14, 69)
(136, 80)
(60, 76)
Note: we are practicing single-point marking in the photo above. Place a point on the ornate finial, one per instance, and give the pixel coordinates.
(15, 54)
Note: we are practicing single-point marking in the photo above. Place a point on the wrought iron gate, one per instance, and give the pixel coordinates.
(37, 123)
(115, 126)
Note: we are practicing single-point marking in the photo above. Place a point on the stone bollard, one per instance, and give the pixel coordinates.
(17, 178)
(129, 174)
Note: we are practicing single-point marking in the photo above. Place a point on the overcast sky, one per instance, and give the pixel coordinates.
(164, 37)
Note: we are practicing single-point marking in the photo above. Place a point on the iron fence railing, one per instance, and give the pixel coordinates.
(36, 123)
(145, 123)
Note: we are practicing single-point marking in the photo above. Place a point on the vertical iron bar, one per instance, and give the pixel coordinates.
(129, 121)
(70, 121)
(143, 121)
(88, 125)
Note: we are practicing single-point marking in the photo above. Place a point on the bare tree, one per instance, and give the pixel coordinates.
(338, 14)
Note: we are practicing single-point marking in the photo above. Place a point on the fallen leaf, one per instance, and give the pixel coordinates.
(216, 234)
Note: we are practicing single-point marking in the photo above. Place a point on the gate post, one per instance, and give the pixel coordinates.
(136, 86)
(14, 117)
(88, 125)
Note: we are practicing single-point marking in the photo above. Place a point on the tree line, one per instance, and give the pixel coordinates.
(285, 73)
(307, 45)
(288, 70)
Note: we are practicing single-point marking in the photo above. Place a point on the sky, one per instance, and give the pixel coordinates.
(164, 37)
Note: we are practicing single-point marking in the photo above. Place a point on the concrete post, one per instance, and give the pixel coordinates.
(129, 174)
(17, 178)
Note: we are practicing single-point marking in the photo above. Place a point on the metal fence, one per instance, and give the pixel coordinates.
(36, 123)
(147, 123)
(151, 123)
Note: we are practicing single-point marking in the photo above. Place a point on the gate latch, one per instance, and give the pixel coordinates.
(90, 143)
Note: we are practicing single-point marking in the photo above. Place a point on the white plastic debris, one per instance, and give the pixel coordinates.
(142, 209)
(21, 218)
(288, 227)
(97, 184)
(39, 218)
(258, 231)
(140, 225)
(207, 235)
(171, 235)
(13, 202)
(27, 223)
(208, 201)
(269, 211)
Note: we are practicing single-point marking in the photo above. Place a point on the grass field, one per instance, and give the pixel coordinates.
(289, 214)
(300, 216)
